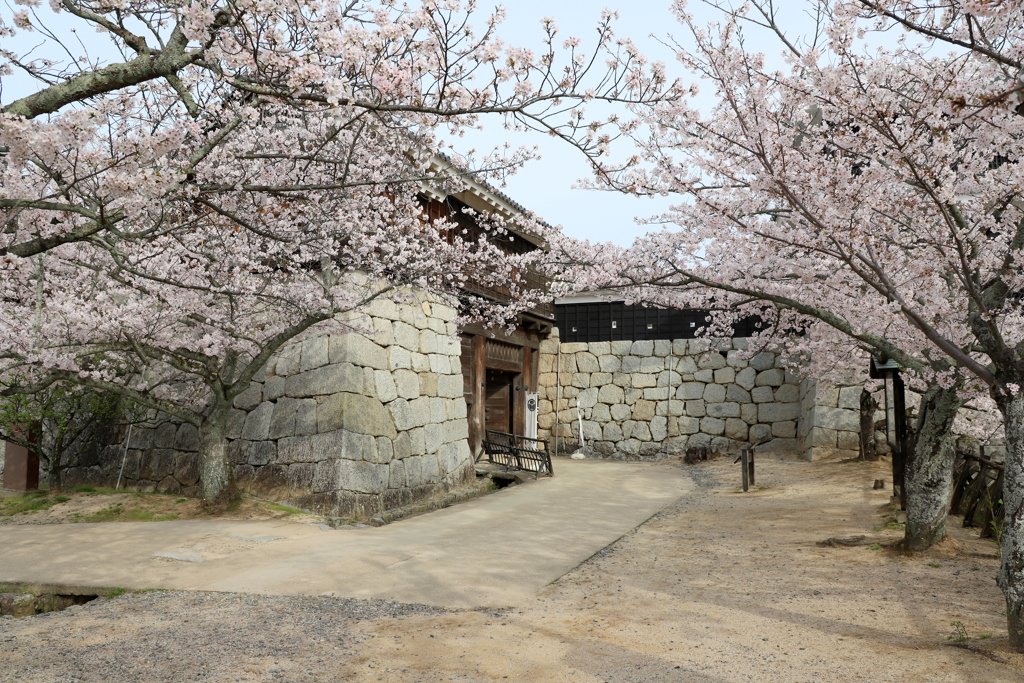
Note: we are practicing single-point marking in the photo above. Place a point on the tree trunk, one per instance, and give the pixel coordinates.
(1011, 570)
(868, 405)
(929, 473)
(215, 472)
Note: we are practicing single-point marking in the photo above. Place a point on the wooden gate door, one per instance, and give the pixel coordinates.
(498, 401)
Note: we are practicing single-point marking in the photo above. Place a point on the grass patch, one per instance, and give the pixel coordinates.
(117, 513)
(934, 564)
(60, 499)
(114, 592)
(181, 500)
(283, 508)
(875, 546)
(85, 488)
(24, 505)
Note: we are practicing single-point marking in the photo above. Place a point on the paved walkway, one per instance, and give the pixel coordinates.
(497, 550)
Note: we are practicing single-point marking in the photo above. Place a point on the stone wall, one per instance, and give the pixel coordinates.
(342, 424)
(653, 398)
(830, 420)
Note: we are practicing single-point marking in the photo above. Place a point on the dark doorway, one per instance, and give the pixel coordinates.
(498, 401)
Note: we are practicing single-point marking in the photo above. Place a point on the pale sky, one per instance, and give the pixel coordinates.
(545, 186)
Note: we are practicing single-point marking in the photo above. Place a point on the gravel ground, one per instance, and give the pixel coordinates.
(720, 587)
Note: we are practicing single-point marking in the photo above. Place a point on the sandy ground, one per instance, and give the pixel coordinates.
(722, 586)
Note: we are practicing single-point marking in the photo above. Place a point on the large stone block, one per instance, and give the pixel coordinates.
(723, 410)
(762, 361)
(355, 413)
(407, 336)
(696, 408)
(288, 360)
(399, 358)
(630, 364)
(600, 413)
(282, 423)
(621, 379)
(383, 332)
(573, 347)
(725, 376)
(711, 360)
(668, 378)
(642, 347)
(631, 396)
(313, 448)
(581, 380)
(385, 450)
(760, 433)
(257, 422)
(588, 398)
(714, 393)
(438, 409)
(609, 363)
(762, 395)
(641, 431)
(837, 418)
(644, 410)
(260, 453)
(627, 428)
(784, 430)
(641, 381)
(662, 347)
(273, 388)
(712, 426)
(748, 413)
(186, 438)
(428, 342)
(736, 429)
(657, 394)
(652, 365)
(706, 376)
(790, 393)
(736, 394)
(849, 398)
(612, 432)
(305, 416)
(620, 411)
(587, 362)
(777, 412)
(396, 474)
(356, 349)
(361, 476)
(621, 348)
(691, 390)
(384, 386)
(687, 425)
(847, 441)
(326, 380)
(428, 383)
(250, 398)
(599, 379)
(315, 353)
(659, 428)
(450, 386)
(600, 348)
(771, 378)
(439, 363)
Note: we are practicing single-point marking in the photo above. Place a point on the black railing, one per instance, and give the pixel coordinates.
(517, 452)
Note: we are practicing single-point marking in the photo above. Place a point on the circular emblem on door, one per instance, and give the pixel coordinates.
(531, 404)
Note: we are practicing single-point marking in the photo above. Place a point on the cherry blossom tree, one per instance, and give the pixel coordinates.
(250, 170)
(871, 197)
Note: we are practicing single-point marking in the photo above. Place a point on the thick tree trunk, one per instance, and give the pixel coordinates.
(215, 472)
(868, 405)
(929, 474)
(1011, 571)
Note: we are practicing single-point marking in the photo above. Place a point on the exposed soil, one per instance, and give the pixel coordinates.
(106, 505)
(722, 586)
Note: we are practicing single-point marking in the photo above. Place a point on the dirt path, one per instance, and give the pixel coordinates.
(720, 587)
